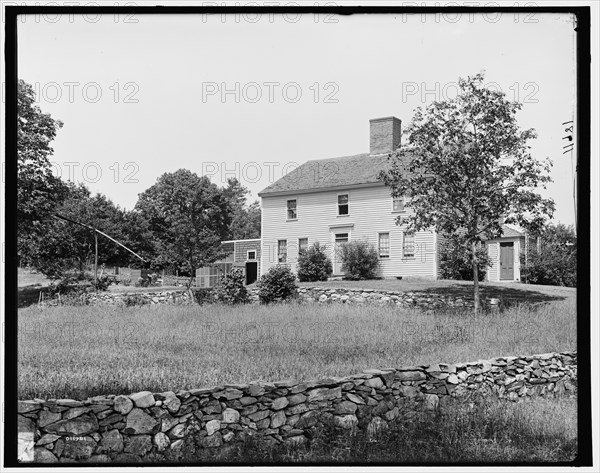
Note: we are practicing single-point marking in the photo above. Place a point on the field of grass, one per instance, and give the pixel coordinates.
(84, 351)
(489, 431)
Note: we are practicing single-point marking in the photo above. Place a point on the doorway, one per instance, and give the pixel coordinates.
(339, 239)
(251, 272)
(507, 260)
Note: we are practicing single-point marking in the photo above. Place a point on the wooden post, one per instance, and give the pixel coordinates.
(96, 260)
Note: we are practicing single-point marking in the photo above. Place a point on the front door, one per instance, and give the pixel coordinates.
(507, 263)
(251, 272)
(339, 240)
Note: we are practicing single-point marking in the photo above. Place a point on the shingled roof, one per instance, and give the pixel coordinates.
(322, 174)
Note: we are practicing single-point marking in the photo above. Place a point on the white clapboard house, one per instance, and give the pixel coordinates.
(336, 200)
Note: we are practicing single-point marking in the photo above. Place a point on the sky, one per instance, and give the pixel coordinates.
(253, 97)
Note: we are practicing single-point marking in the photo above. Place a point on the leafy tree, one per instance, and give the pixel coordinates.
(66, 246)
(187, 216)
(360, 260)
(556, 261)
(314, 264)
(245, 219)
(467, 169)
(38, 190)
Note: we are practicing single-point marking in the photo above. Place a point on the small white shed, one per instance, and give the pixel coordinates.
(505, 253)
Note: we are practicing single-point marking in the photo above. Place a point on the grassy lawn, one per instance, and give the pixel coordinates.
(488, 431)
(83, 351)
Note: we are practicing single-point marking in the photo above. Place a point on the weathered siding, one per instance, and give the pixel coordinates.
(241, 252)
(370, 213)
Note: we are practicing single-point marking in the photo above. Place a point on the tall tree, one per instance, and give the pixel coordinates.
(467, 169)
(245, 219)
(38, 190)
(189, 217)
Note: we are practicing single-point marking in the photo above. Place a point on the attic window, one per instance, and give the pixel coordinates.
(343, 204)
(291, 210)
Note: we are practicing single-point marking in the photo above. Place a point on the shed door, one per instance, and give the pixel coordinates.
(251, 272)
(507, 261)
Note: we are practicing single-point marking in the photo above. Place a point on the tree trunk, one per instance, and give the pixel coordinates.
(475, 278)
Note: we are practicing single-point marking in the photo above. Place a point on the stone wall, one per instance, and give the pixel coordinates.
(412, 299)
(158, 426)
(416, 299)
(122, 298)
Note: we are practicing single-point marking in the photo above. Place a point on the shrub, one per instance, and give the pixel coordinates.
(102, 283)
(278, 284)
(556, 264)
(314, 264)
(359, 260)
(203, 295)
(230, 289)
(132, 300)
(455, 262)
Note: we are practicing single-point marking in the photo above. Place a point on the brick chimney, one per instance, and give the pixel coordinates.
(385, 134)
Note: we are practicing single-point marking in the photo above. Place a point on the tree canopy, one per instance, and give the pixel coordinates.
(467, 169)
(39, 192)
(188, 216)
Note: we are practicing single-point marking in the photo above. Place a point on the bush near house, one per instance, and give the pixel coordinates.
(455, 262)
(276, 285)
(231, 289)
(359, 260)
(556, 262)
(314, 264)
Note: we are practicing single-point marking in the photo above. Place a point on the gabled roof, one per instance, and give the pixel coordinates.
(322, 174)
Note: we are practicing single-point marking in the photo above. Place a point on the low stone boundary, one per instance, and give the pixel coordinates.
(160, 426)
(411, 299)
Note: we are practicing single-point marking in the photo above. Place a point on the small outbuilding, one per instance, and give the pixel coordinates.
(505, 253)
(241, 254)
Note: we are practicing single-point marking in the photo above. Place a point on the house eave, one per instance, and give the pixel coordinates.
(315, 190)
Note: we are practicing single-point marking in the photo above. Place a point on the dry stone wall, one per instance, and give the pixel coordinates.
(156, 427)
(412, 299)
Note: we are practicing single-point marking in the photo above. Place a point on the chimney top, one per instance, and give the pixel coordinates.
(385, 134)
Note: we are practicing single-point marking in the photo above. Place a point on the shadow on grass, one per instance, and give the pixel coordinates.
(509, 296)
(29, 295)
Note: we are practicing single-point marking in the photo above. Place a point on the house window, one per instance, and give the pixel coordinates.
(282, 251)
(343, 204)
(398, 204)
(408, 245)
(302, 245)
(291, 210)
(384, 245)
(251, 255)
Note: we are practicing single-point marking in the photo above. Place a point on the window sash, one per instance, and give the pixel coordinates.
(302, 244)
(398, 204)
(384, 245)
(292, 213)
(408, 246)
(282, 251)
(251, 255)
(343, 200)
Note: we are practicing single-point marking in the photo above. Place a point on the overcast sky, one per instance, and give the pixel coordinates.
(143, 95)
